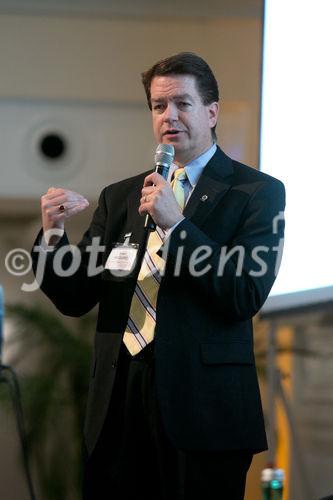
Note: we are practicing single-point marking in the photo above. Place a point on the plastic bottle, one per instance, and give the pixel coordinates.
(277, 484)
(266, 479)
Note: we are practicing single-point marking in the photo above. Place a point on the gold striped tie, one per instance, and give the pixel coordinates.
(140, 327)
(179, 178)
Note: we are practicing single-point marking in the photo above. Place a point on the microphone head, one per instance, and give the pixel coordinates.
(164, 155)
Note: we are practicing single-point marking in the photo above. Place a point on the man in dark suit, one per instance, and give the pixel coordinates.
(174, 409)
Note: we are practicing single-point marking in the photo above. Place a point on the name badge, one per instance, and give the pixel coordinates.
(122, 258)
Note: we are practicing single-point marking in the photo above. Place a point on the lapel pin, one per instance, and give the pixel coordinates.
(204, 197)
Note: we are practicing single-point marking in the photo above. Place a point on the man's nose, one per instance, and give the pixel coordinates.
(171, 113)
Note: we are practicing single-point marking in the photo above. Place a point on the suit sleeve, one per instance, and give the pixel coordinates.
(78, 292)
(236, 276)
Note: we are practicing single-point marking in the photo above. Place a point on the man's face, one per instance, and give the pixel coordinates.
(179, 116)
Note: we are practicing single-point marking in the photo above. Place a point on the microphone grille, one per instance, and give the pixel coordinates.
(164, 155)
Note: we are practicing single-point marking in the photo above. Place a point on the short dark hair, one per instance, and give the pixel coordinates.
(185, 63)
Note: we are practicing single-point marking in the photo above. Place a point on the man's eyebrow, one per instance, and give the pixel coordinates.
(186, 97)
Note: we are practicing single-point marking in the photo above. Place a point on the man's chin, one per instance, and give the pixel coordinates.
(181, 155)
(180, 149)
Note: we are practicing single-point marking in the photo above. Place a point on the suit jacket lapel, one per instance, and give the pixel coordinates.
(212, 186)
(135, 222)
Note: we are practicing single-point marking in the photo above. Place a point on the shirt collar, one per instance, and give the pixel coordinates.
(195, 167)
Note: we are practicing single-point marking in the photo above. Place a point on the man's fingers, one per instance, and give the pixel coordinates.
(154, 179)
(54, 192)
(67, 205)
(59, 204)
(59, 196)
(55, 214)
(146, 191)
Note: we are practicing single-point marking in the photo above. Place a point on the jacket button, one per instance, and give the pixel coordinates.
(114, 363)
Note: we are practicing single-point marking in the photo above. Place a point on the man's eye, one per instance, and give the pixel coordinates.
(158, 107)
(184, 104)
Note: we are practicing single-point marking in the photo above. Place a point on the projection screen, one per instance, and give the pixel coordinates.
(296, 143)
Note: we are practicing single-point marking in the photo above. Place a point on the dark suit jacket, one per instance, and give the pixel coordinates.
(205, 369)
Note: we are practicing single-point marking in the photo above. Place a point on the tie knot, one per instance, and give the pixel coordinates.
(179, 174)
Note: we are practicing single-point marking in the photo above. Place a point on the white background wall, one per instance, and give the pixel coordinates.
(86, 73)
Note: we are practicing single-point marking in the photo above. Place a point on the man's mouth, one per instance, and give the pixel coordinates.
(171, 132)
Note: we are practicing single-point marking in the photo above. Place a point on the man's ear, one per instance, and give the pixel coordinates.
(213, 111)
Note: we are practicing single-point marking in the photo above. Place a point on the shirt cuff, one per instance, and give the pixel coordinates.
(169, 231)
(46, 237)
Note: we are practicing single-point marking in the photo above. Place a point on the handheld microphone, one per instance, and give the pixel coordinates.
(1, 320)
(163, 158)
